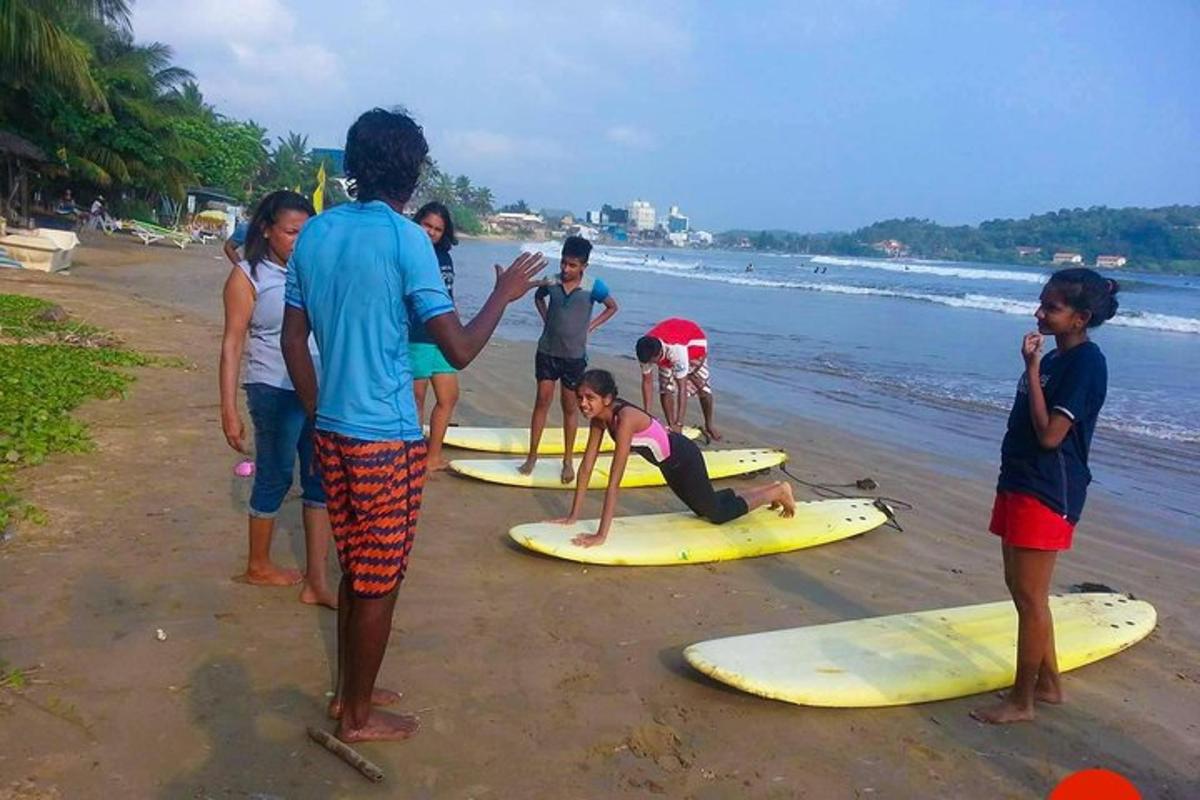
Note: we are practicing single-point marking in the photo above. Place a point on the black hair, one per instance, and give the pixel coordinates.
(449, 238)
(1086, 290)
(648, 348)
(577, 247)
(385, 152)
(266, 214)
(600, 381)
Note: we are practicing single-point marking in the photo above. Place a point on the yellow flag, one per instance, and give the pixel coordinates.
(318, 198)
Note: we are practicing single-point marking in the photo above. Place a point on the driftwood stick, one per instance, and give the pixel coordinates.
(346, 753)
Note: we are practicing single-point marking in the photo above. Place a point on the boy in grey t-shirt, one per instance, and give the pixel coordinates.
(565, 304)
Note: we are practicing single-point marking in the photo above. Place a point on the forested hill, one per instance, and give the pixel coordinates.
(1155, 239)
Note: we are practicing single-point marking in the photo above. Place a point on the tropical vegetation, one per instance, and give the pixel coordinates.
(1152, 239)
(119, 117)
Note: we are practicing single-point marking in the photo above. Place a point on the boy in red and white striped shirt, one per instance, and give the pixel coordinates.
(679, 349)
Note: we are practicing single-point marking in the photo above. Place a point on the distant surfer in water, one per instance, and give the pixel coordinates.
(750, 267)
(1044, 473)
(678, 457)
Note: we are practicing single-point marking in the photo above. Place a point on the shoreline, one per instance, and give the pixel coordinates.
(1132, 271)
(515, 658)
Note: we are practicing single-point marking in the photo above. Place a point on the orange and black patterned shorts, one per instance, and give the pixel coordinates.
(373, 493)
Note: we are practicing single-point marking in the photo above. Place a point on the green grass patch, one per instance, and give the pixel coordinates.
(48, 366)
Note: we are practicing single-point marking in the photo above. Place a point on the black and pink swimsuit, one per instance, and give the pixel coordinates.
(682, 465)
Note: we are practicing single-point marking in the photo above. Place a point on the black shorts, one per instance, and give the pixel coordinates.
(552, 368)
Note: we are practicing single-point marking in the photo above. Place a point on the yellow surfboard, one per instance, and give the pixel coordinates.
(664, 539)
(915, 658)
(516, 440)
(638, 471)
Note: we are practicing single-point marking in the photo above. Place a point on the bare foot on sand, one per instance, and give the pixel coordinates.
(270, 575)
(381, 727)
(379, 697)
(1003, 713)
(784, 501)
(441, 465)
(712, 434)
(318, 597)
(1049, 691)
(568, 473)
(527, 467)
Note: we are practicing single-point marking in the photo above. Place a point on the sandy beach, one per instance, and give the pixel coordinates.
(534, 678)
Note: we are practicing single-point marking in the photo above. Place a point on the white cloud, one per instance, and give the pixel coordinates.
(483, 146)
(251, 57)
(255, 21)
(630, 136)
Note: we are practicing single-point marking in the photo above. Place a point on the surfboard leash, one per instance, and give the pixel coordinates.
(884, 504)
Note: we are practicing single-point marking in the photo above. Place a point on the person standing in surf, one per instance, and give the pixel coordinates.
(565, 305)
(679, 348)
(359, 273)
(1044, 472)
(676, 456)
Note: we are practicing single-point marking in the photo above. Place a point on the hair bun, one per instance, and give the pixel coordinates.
(1112, 286)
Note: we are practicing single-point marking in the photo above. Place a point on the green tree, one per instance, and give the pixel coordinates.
(38, 46)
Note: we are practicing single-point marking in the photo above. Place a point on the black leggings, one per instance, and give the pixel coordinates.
(687, 476)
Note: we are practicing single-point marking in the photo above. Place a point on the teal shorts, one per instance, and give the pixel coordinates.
(426, 359)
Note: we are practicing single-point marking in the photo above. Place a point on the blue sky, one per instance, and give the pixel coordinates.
(811, 116)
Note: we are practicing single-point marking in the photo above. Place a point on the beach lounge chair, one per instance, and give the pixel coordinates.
(149, 234)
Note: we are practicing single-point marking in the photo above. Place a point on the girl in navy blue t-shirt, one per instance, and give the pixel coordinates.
(1044, 471)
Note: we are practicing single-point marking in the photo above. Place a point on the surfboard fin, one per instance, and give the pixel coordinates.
(888, 512)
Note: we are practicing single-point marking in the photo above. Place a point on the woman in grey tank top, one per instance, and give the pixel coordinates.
(282, 430)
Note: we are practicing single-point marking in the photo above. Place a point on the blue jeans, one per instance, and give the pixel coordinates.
(281, 432)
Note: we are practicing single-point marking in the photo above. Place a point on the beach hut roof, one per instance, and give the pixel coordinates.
(11, 144)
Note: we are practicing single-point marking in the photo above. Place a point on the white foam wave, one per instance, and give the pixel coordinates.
(927, 268)
(981, 302)
(609, 258)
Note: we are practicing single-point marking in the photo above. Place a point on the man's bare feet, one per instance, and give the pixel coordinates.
(568, 472)
(1049, 691)
(1003, 713)
(381, 726)
(270, 575)
(441, 465)
(379, 697)
(785, 500)
(527, 467)
(712, 434)
(318, 597)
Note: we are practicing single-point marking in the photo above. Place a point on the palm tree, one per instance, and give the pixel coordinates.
(38, 44)
(462, 190)
(290, 164)
(482, 202)
(140, 146)
(190, 101)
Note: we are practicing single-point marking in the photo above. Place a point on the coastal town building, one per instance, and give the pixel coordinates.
(613, 215)
(512, 222)
(676, 222)
(641, 215)
(1111, 262)
(701, 238)
(893, 247)
(1067, 257)
(1026, 252)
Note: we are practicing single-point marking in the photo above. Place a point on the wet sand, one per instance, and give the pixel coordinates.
(533, 677)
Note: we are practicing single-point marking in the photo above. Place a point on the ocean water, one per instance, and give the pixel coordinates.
(915, 355)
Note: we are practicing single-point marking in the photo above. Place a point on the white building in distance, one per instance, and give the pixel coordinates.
(641, 215)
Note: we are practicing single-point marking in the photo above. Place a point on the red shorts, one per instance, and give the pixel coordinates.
(1021, 520)
(373, 493)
